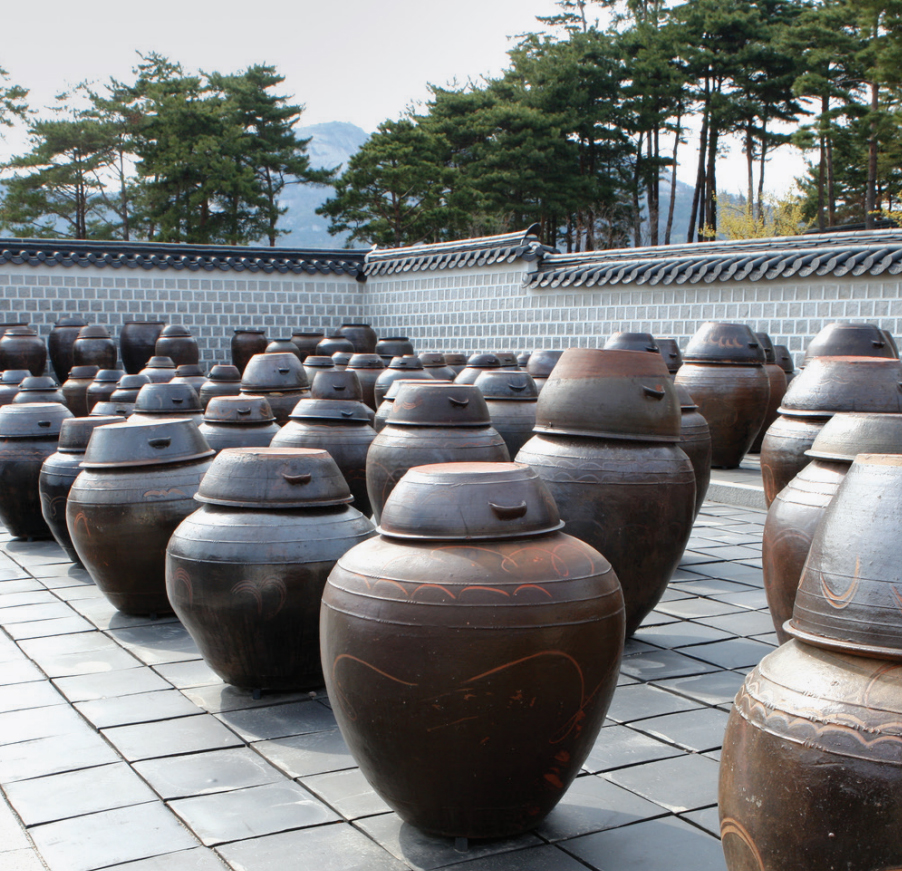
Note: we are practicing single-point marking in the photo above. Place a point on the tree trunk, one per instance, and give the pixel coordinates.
(700, 175)
(673, 174)
(822, 163)
(831, 185)
(870, 197)
(750, 168)
(710, 227)
(761, 173)
(637, 208)
(654, 208)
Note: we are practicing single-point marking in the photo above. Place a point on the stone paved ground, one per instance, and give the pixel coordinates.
(120, 748)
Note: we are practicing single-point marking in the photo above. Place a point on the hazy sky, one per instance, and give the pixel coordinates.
(346, 60)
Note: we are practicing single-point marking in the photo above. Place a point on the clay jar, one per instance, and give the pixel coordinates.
(9, 384)
(434, 363)
(60, 343)
(279, 378)
(777, 382)
(455, 361)
(177, 343)
(95, 347)
(247, 342)
(223, 381)
(333, 344)
(167, 400)
(606, 444)
(695, 442)
(190, 374)
(306, 343)
(102, 387)
(28, 435)
(238, 422)
(507, 359)
(59, 472)
(128, 388)
(511, 399)
(825, 386)
(393, 346)
(22, 348)
(245, 572)
(136, 486)
(367, 368)
(137, 341)
(336, 384)
(670, 351)
(430, 422)
(785, 362)
(723, 370)
(497, 635)
(340, 359)
(75, 389)
(797, 510)
(385, 406)
(39, 389)
(849, 340)
(284, 346)
(160, 370)
(810, 772)
(362, 336)
(541, 363)
(400, 369)
(314, 364)
(624, 341)
(476, 365)
(341, 427)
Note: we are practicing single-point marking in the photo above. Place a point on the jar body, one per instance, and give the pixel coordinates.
(777, 381)
(22, 349)
(695, 442)
(362, 336)
(236, 435)
(783, 450)
(60, 344)
(245, 344)
(514, 420)
(95, 351)
(58, 474)
(137, 340)
(20, 468)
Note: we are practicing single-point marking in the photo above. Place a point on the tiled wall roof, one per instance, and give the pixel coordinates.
(149, 255)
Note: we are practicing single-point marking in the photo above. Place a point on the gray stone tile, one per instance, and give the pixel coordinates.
(102, 614)
(206, 773)
(593, 804)
(733, 653)
(89, 662)
(252, 812)
(680, 784)
(137, 708)
(640, 701)
(699, 730)
(184, 675)
(657, 845)
(54, 755)
(216, 698)
(74, 793)
(9, 599)
(619, 746)
(744, 623)
(12, 834)
(717, 688)
(198, 859)
(22, 696)
(279, 721)
(424, 852)
(680, 634)
(158, 643)
(305, 755)
(30, 613)
(658, 618)
(714, 587)
(348, 792)
(167, 738)
(42, 649)
(545, 858)
(707, 819)
(25, 725)
(44, 628)
(110, 684)
(111, 837)
(663, 664)
(732, 572)
(78, 592)
(753, 599)
(691, 559)
(23, 584)
(689, 609)
(24, 859)
(18, 671)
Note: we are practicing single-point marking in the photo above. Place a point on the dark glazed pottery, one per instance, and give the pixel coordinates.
(75, 389)
(128, 388)
(59, 472)
(362, 336)
(341, 359)
(507, 359)
(28, 435)
(777, 381)
(167, 400)
(95, 347)
(136, 487)
(336, 384)
(103, 386)
(476, 365)
(784, 360)
(408, 368)
(434, 363)
(284, 346)
(306, 343)
(390, 347)
(511, 398)
(367, 368)
(695, 442)
(38, 389)
(9, 384)
(246, 571)
(238, 422)
(455, 361)
(160, 370)
(245, 344)
(670, 351)
(177, 343)
(810, 772)
(332, 345)
(632, 342)
(849, 340)
(22, 348)
(60, 343)
(430, 422)
(279, 378)
(500, 642)
(315, 363)
(191, 374)
(223, 380)
(137, 341)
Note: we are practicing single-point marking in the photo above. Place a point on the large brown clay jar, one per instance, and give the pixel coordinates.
(390, 347)
(75, 389)
(362, 336)
(59, 471)
(476, 365)
(246, 342)
(777, 381)
(223, 380)
(511, 398)
(103, 386)
(278, 378)
(430, 422)
(177, 343)
(39, 389)
(160, 370)
(408, 368)
(137, 340)
(95, 347)
(367, 368)
(60, 343)
(695, 442)
(191, 374)
(841, 339)
(28, 435)
(785, 362)
(723, 370)
(155, 401)
(10, 380)
(670, 351)
(136, 488)
(306, 342)
(22, 348)
(342, 428)
(333, 344)
(245, 572)
(541, 363)
(606, 444)
(497, 635)
(238, 422)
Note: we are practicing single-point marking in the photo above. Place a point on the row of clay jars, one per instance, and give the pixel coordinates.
(723, 370)
(825, 386)
(777, 382)
(245, 572)
(523, 625)
(814, 734)
(607, 445)
(795, 513)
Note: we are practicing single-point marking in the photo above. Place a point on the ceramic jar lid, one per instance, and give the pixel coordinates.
(687, 403)
(24, 330)
(626, 341)
(319, 361)
(109, 376)
(407, 362)
(72, 321)
(717, 342)
(14, 376)
(31, 419)
(848, 434)
(506, 385)
(849, 595)
(453, 358)
(454, 501)
(840, 339)
(38, 383)
(670, 351)
(189, 370)
(160, 362)
(175, 331)
(336, 384)
(238, 410)
(274, 479)
(610, 394)
(365, 361)
(75, 433)
(784, 359)
(350, 411)
(439, 403)
(768, 346)
(432, 359)
(117, 408)
(172, 397)
(273, 372)
(83, 372)
(146, 443)
(507, 359)
(224, 372)
(542, 361)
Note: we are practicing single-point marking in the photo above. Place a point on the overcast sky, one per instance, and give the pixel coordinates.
(347, 60)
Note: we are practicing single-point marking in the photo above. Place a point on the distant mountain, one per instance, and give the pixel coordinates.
(331, 145)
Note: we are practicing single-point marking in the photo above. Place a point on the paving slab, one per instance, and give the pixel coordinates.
(170, 737)
(348, 792)
(308, 754)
